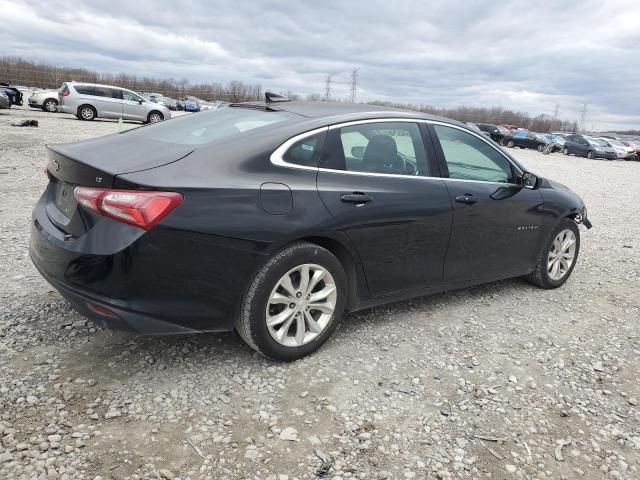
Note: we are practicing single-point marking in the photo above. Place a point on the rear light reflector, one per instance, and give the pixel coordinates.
(100, 310)
(141, 208)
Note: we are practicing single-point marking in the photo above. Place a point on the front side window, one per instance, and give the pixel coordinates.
(130, 96)
(387, 147)
(470, 158)
(305, 152)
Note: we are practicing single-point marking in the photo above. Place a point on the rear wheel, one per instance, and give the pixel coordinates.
(87, 112)
(510, 144)
(294, 303)
(540, 148)
(558, 256)
(50, 105)
(589, 154)
(565, 150)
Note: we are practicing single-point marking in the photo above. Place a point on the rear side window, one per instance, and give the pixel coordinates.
(394, 148)
(470, 158)
(85, 89)
(212, 125)
(306, 152)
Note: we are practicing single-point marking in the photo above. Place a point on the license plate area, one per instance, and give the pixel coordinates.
(63, 198)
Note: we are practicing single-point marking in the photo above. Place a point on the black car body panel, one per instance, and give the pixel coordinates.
(15, 95)
(191, 271)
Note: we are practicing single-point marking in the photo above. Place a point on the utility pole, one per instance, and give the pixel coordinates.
(327, 88)
(583, 117)
(354, 84)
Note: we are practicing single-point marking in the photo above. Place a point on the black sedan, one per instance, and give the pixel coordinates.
(525, 139)
(273, 218)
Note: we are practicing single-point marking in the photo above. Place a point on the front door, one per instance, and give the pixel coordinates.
(133, 107)
(496, 222)
(373, 180)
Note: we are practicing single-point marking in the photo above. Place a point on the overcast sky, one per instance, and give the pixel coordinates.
(524, 55)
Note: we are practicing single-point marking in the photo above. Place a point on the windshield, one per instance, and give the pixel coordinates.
(597, 143)
(614, 143)
(211, 125)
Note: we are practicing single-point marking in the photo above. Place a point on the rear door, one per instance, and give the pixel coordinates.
(496, 222)
(376, 181)
(133, 106)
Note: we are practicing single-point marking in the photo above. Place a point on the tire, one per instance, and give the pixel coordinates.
(256, 305)
(50, 105)
(510, 144)
(590, 154)
(87, 112)
(565, 151)
(540, 148)
(541, 277)
(155, 117)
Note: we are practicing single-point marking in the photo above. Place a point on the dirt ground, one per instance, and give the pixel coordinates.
(499, 381)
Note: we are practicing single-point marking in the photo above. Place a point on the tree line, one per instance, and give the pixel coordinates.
(18, 71)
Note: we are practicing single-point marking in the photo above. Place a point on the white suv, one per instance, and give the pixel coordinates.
(88, 101)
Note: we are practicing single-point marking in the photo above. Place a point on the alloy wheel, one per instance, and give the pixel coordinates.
(86, 113)
(50, 106)
(301, 305)
(155, 118)
(561, 255)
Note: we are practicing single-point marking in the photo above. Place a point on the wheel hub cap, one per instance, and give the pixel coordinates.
(301, 305)
(561, 255)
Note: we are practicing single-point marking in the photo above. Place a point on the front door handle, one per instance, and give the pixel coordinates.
(466, 198)
(357, 198)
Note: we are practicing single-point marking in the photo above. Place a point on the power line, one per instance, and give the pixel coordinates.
(583, 117)
(354, 84)
(327, 88)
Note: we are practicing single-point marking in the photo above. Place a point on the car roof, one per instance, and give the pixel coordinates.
(340, 111)
(97, 85)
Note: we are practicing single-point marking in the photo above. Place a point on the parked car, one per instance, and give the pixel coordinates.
(635, 144)
(474, 127)
(47, 100)
(496, 132)
(89, 101)
(191, 105)
(625, 152)
(4, 100)
(558, 141)
(526, 139)
(14, 95)
(585, 146)
(224, 220)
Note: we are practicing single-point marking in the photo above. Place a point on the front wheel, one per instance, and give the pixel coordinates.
(294, 303)
(540, 148)
(590, 154)
(155, 117)
(510, 144)
(565, 151)
(558, 257)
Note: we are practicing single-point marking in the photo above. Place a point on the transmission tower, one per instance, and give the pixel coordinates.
(556, 112)
(327, 88)
(354, 84)
(583, 117)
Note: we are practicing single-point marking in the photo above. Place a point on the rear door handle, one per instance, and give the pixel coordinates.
(466, 198)
(357, 198)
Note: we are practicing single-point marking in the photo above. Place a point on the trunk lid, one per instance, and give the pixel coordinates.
(96, 163)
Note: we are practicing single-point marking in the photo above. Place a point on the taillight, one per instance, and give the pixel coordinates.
(142, 208)
(64, 93)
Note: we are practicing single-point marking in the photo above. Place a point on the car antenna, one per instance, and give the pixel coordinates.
(275, 97)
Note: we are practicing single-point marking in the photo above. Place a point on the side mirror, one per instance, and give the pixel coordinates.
(139, 102)
(529, 180)
(357, 152)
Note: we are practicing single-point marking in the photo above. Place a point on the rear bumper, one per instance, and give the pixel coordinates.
(66, 109)
(153, 282)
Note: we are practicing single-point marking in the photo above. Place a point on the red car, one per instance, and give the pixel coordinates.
(635, 144)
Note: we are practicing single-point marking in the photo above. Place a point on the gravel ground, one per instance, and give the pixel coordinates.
(499, 381)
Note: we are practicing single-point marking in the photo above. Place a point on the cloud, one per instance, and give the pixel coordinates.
(442, 53)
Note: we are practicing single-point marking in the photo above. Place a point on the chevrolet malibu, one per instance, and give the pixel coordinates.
(274, 218)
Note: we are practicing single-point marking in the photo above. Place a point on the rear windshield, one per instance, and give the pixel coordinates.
(205, 127)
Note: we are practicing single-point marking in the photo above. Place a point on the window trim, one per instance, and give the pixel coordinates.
(277, 160)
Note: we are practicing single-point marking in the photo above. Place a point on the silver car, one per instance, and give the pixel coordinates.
(4, 100)
(88, 101)
(47, 100)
